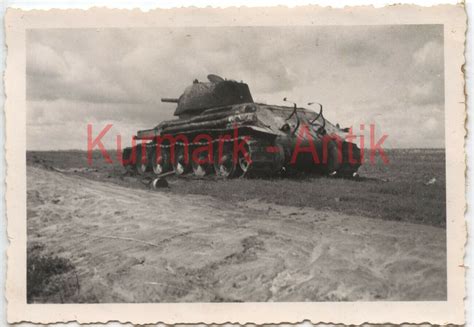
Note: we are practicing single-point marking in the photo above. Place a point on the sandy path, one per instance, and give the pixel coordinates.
(203, 250)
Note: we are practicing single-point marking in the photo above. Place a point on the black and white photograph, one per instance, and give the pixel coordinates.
(241, 164)
(172, 221)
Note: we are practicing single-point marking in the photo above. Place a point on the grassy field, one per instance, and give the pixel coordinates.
(396, 191)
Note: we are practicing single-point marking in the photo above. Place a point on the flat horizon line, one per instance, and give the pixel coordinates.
(98, 150)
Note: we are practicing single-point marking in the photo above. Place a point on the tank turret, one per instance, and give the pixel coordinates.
(217, 92)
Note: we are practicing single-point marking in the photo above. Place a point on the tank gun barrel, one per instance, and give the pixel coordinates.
(172, 100)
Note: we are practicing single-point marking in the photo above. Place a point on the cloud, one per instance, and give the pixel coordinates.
(53, 76)
(391, 75)
(427, 92)
(357, 52)
(43, 61)
(430, 55)
(431, 124)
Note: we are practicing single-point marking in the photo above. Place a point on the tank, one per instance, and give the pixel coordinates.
(220, 130)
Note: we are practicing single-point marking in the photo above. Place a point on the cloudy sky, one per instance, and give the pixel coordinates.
(390, 76)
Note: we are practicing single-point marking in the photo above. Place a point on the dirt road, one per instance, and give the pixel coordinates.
(131, 245)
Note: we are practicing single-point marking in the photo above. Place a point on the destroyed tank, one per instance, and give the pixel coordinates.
(220, 130)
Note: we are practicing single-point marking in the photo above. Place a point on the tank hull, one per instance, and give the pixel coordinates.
(247, 139)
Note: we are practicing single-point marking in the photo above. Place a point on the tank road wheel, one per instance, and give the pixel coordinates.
(202, 167)
(160, 164)
(141, 164)
(244, 164)
(180, 164)
(348, 169)
(127, 160)
(224, 163)
(333, 163)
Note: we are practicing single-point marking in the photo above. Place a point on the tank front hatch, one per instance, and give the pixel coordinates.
(217, 93)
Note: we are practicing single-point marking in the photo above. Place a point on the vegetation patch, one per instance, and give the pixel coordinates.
(50, 278)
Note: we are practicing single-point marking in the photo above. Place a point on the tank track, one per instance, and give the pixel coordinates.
(265, 159)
